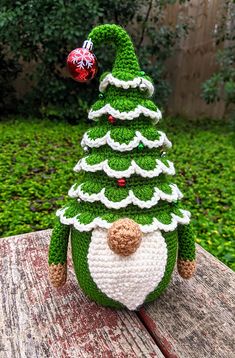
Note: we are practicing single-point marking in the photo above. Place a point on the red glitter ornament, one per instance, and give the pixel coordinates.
(82, 63)
(111, 119)
(121, 182)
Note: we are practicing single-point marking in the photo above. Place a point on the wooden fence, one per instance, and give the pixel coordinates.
(194, 59)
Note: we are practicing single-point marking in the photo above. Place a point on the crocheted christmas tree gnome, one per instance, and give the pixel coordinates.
(125, 220)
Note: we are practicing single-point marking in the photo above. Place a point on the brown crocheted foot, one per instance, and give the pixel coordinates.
(186, 268)
(124, 237)
(58, 274)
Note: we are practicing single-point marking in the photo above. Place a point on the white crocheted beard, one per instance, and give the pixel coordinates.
(130, 279)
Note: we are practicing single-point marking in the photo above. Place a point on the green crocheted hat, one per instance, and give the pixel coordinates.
(126, 72)
(124, 170)
(125, 75)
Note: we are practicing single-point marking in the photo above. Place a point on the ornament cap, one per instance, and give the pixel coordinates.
(88, 44)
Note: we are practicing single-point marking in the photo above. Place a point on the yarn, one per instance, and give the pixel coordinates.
(186, 243)
(124, 131)
(87, 221)
(80, 242)
(129, 197)
(58, 244)
(58, 274)
(125, 167)
(186, 268)
(155, 114)
(109, 138)
(171, 239)
(127, 279)
(109, 79)
(124, 237)
(126, 63)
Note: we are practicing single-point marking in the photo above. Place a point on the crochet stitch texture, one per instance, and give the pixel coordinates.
(129, 148)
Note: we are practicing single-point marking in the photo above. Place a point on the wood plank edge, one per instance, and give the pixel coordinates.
(162, 342)
(200, 249)
(29, 234)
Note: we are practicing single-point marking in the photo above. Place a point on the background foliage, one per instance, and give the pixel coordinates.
(43, 32)
(37, 159)
(9, 69)
(221, 85)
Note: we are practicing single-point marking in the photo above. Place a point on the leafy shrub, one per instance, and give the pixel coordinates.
(45, 31)
(9, 71)
(37, 159)
(221, 85)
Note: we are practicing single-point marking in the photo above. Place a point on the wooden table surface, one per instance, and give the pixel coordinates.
(192, 318)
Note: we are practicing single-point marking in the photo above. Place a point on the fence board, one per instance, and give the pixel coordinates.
(194, 59)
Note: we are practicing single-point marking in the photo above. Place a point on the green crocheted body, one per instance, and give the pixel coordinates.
(80, 242)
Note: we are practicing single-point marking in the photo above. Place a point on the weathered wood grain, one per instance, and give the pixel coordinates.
(194, 59)
(195, 318)
(39, 321)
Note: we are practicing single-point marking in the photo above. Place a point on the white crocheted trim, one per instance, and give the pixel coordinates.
(133, 169)
(121, 147)
(127, 280)
(130, 199)
(108, 109)
(136, 82)
(98, 222)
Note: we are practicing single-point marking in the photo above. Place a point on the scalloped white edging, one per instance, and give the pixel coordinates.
(130, 199)
(98, 222)
(122, 147)
(133, 169)
(108, 109)
(136, 82)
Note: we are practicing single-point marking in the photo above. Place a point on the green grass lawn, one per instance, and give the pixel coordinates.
(37, 158)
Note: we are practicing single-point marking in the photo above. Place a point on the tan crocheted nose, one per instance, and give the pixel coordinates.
(124, 237)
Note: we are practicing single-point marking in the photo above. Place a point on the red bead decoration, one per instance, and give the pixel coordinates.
(121, 182)
(82, 64)
(111, 119)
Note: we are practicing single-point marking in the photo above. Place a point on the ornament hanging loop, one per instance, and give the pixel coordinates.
(88, 44)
